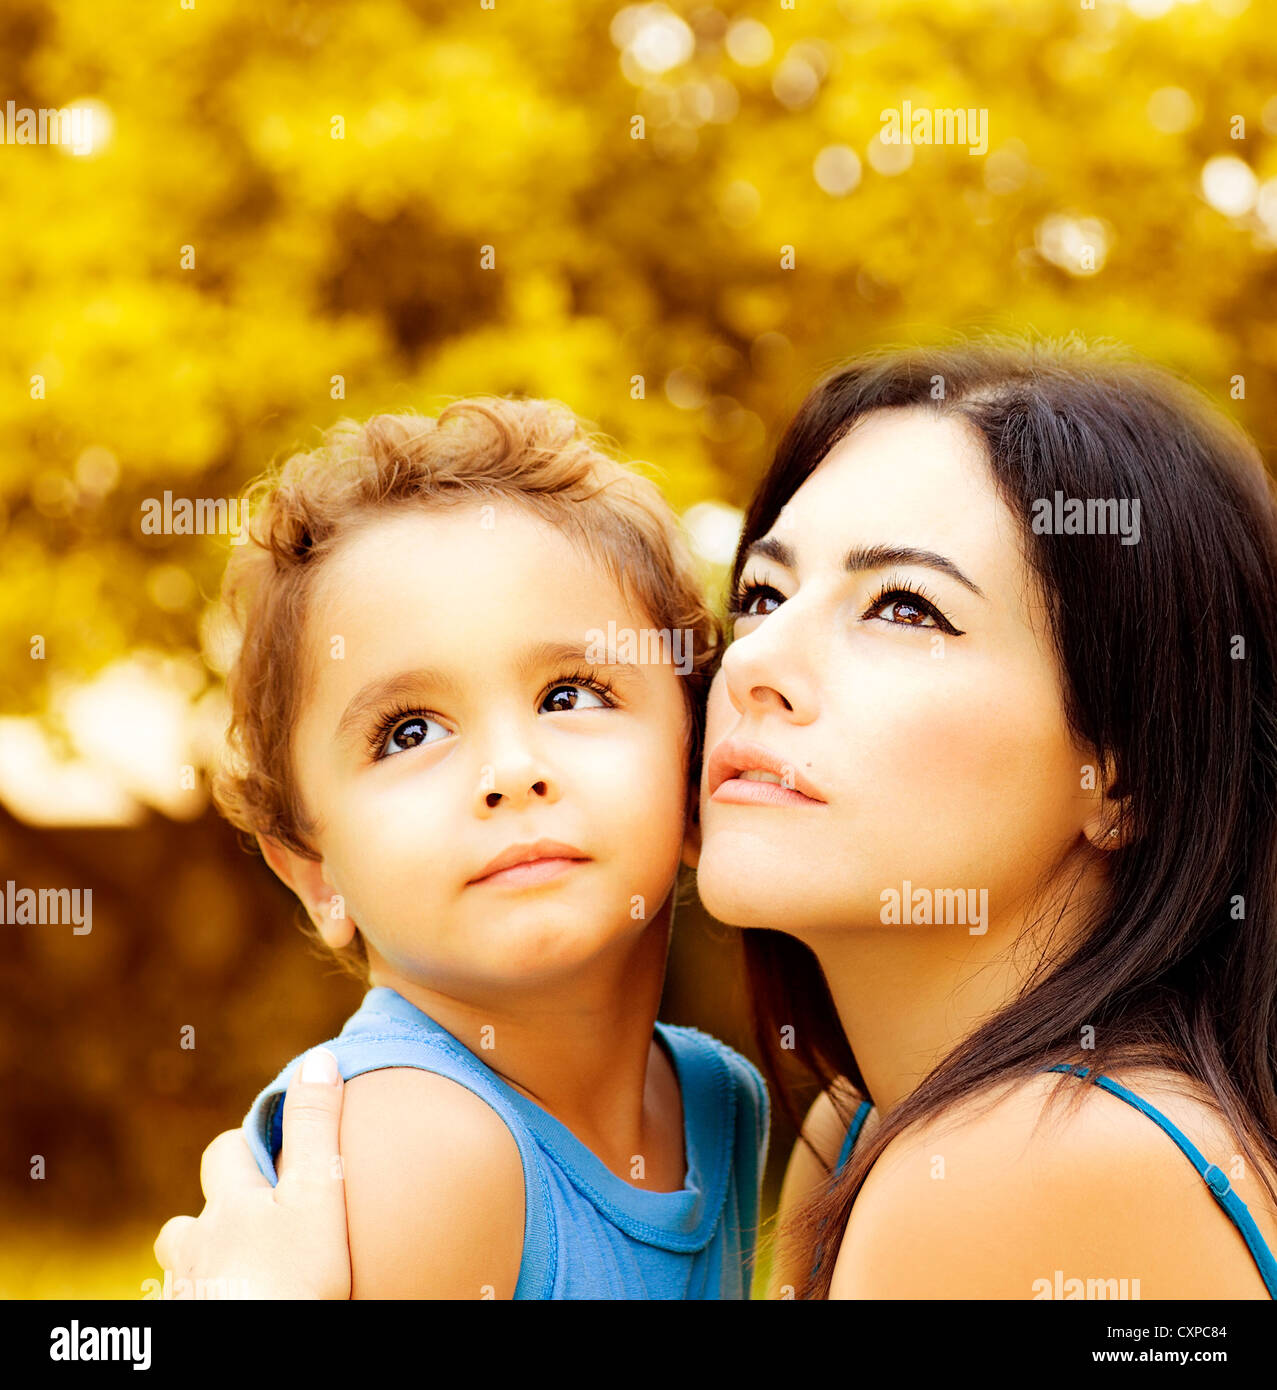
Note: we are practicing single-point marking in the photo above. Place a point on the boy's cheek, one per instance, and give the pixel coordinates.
(392, 869)
(652, 824)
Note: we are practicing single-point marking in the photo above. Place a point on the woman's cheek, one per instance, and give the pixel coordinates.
(719, 714)
(957, 737)
(960, 789)
(1009, 747)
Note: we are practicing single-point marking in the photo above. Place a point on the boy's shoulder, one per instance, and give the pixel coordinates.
(411, 1055)
(692, 1041)
(429, 1166)
(430, 1159)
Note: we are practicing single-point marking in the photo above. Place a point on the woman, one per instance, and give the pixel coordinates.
(1005, 633)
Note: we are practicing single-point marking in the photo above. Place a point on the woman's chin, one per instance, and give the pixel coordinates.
(741, 895)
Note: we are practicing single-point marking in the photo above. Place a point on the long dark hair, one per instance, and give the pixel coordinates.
(1167, 649)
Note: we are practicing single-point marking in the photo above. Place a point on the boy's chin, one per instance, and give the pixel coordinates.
(542, 950)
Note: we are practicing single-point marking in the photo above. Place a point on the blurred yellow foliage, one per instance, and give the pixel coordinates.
(189, 292)
(672, 217)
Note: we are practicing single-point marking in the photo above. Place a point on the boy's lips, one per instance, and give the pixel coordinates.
(531, 862)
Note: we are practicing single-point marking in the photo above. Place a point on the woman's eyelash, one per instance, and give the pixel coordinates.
(893, 590)
(744, 594)
(387, 722)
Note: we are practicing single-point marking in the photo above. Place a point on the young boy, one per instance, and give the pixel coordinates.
(466, 727)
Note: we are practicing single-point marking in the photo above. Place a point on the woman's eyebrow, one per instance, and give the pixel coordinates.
(876, 557)
(870, 557)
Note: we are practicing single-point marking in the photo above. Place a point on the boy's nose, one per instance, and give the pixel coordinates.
(518, 778)
(538, 789)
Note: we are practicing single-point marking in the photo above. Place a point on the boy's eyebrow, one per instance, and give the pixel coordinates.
(543, 654)
(870, 557)
(406, 685)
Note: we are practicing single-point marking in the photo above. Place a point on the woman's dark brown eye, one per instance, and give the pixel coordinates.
(901, 607)
(752, 594)
(909, 614)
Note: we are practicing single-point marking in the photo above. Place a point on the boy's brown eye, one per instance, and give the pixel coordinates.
(412, 733)
(398, 734)
(569, 697)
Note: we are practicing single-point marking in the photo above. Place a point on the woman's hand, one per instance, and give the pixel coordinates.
(257, 1241)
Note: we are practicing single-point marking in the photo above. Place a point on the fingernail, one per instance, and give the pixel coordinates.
(319, 1065)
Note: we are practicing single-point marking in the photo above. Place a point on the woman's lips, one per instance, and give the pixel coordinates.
(741, 792)
(741, 761)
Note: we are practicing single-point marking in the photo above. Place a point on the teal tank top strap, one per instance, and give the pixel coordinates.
(853, 1133)
(1214, 1177)
(848, 1143)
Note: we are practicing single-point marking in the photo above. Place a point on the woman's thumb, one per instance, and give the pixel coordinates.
(310, 1152)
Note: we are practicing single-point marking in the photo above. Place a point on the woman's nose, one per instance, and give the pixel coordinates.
(771, 670)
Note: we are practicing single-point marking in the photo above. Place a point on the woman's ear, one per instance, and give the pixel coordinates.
(1108, 825)
(692, 827)
(324, 905)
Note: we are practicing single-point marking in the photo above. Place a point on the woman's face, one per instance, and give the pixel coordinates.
(914, 698)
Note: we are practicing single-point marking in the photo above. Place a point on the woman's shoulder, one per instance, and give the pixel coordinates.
(807, 1172)
(1046, 1174)
(820, 1141)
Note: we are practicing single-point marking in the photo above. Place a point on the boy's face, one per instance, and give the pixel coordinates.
(443, 728)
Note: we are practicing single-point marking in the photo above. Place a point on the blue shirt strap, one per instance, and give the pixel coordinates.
(1214, 1177)
(853, 1133)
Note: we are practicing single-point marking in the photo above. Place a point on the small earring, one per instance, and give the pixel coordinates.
(1112, 833)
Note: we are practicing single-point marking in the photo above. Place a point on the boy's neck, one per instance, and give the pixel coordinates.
(581, 1047)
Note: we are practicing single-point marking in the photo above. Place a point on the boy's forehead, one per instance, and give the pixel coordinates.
(453, 570)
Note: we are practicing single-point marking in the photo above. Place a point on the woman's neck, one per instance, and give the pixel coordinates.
(907, 995)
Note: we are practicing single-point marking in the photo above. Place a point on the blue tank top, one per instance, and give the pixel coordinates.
(1215, 1178)
(587, 1233)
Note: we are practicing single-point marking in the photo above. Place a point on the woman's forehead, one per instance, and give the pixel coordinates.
(916, 446)
(901, 477)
